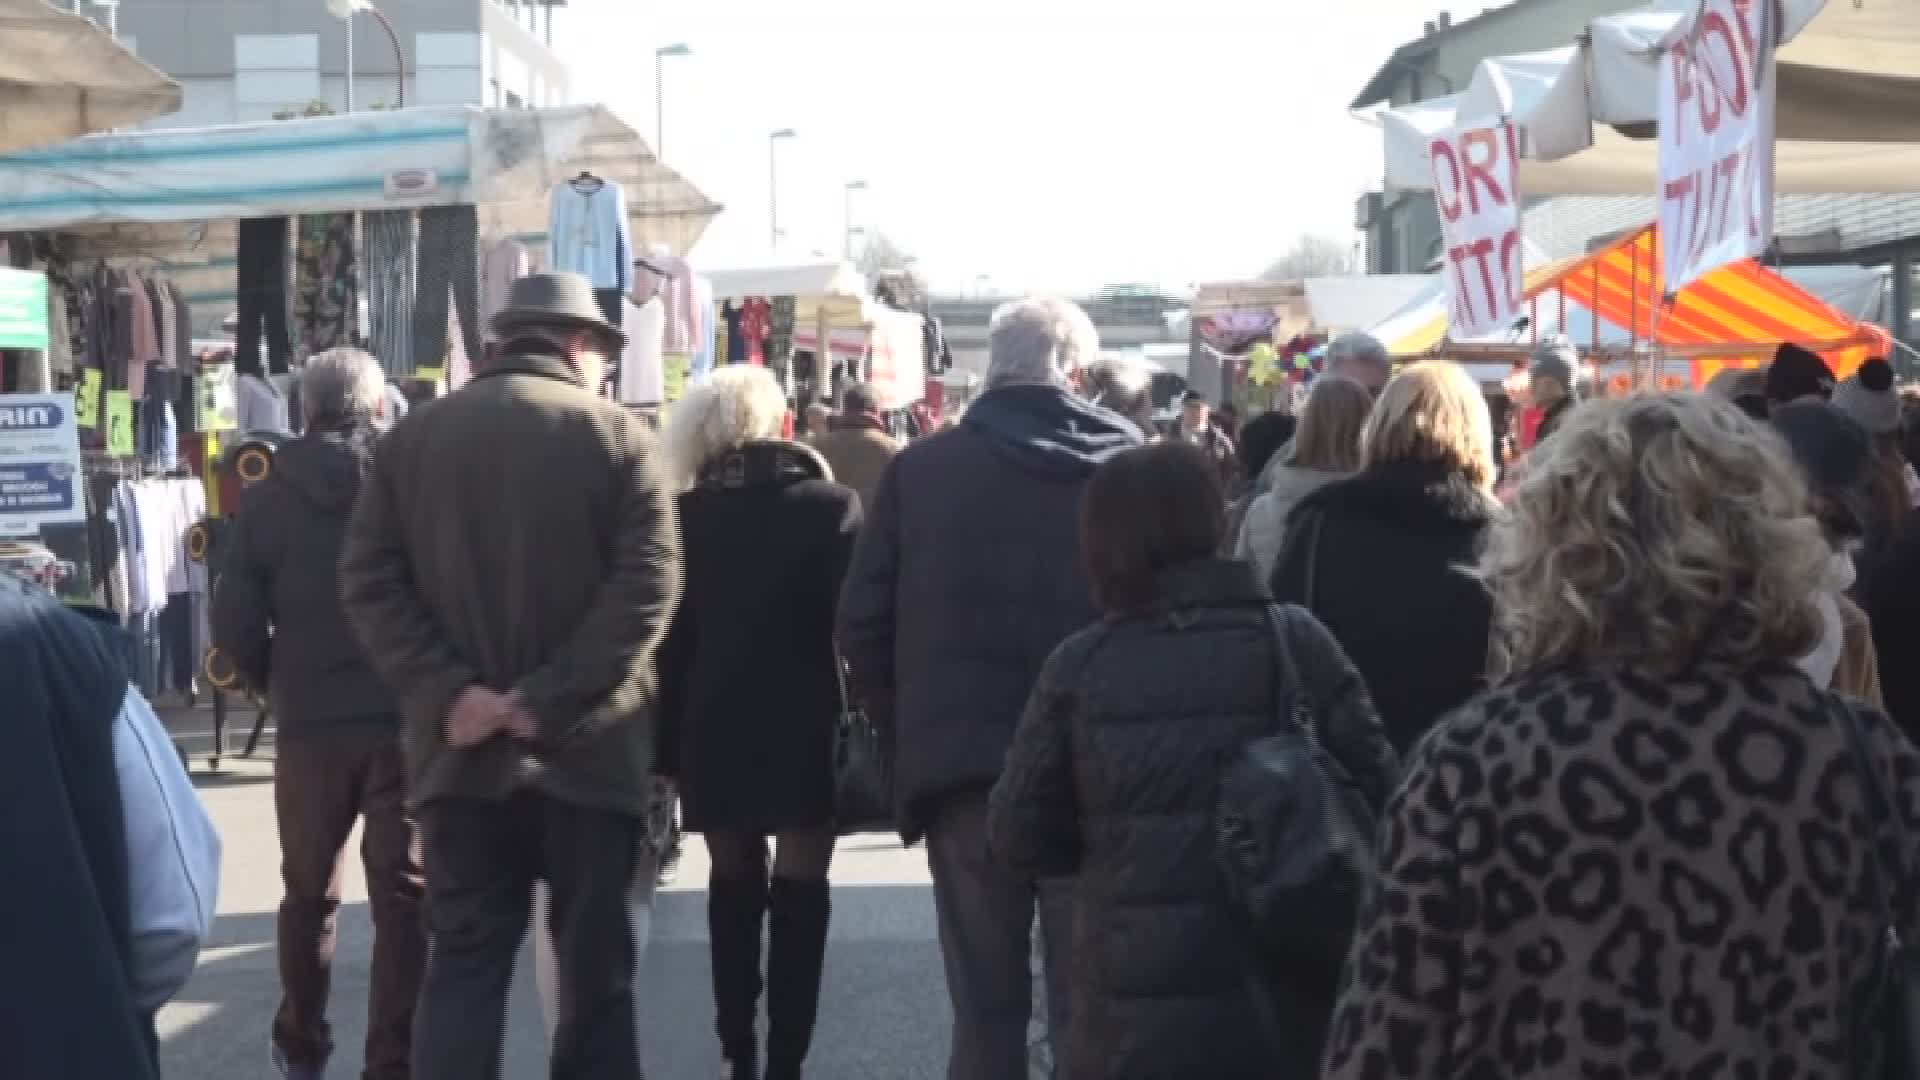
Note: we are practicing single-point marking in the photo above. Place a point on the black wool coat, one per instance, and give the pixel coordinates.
(1114, 777)
(1381, 559)
(750, 688)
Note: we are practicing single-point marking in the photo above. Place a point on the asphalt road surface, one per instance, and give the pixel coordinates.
(883, 1012)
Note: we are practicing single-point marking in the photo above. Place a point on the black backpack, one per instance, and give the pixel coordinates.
(1293, 832)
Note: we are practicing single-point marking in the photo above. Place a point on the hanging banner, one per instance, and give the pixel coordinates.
(39, 463)
(23, 309)
(1476, 184)
(1716, 139)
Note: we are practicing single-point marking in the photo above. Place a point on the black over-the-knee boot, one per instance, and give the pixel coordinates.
(796, 952)
(736, 910)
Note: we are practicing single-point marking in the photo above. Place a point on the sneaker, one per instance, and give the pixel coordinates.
(296, 1072)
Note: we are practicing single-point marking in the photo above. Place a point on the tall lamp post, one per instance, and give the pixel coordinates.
(774, 139)
(852, 186)
(345, 10)
(660, 94)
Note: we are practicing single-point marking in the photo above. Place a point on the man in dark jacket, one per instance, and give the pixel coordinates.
(858, 448)
(511, 567)
(966, 576)
(277, 615)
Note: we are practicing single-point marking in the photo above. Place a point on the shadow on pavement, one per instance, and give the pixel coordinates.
(883, 1012)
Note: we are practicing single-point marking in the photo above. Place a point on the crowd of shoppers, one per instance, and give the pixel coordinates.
(1606, 764)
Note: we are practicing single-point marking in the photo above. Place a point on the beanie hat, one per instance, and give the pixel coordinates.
(1796, 373)
(1868, 398)
(1554, 360)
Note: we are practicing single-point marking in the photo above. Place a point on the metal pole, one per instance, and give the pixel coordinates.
(399, 56)
(659, 106)
(348, 22)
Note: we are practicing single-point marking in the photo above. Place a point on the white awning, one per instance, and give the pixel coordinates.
(62, 77)
(1848, 112)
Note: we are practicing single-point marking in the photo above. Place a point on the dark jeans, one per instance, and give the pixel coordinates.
(482, 861)
(449, 269)
(986, 915)
(261, 284)
(319, 789)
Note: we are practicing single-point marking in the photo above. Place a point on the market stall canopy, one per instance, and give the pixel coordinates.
(159, 191)
(1737, 313)
(62, 77)
(834, 289)
(1357, 301)
(1848, 112)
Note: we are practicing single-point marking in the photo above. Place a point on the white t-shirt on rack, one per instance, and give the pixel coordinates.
(642, 376)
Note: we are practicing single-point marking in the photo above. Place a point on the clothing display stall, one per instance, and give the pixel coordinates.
(820, 325)
(435, 186)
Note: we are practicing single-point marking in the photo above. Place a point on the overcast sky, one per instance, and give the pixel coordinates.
(1042, 144)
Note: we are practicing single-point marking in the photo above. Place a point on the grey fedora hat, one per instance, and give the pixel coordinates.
(553, 298)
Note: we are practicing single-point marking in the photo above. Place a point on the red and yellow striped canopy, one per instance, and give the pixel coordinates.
(1733, 316)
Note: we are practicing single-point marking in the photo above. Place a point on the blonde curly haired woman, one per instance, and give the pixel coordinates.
(1655, 840)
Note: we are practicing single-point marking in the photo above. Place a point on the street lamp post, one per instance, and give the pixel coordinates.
(774, 139)
(660, 94)
(345, 10)
(852, 186)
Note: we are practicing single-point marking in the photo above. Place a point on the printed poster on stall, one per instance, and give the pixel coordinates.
(23, 310)
(1476, 182)
(39, 463)
(1716, 139)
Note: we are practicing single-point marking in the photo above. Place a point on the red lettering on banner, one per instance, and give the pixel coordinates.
(1447, 194)
(1480, 166)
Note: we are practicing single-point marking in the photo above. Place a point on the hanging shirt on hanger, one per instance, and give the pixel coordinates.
(588, 232)
(505, 263)
(642, 369)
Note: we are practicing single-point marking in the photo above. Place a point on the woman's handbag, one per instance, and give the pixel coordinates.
(862, 769)
(1897, 1017)
(1294, 832)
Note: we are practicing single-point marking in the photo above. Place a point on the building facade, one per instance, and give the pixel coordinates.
(246, 60)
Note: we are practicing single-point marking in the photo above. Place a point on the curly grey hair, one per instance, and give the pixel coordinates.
(1655, 532)
(733, 405)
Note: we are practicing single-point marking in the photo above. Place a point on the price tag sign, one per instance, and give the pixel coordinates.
(86, 399)
(119, 423)
(674, 367)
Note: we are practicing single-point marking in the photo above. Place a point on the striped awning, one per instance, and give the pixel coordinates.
(1737, 313)
(1734, 316)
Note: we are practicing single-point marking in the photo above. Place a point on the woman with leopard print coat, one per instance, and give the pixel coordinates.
(1648, 850)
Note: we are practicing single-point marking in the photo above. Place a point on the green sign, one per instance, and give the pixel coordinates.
(23, 309)
(119, 424)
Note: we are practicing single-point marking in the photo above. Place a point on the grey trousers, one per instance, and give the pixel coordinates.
(987, 916)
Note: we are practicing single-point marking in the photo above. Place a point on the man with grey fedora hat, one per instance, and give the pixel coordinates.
(512, 564)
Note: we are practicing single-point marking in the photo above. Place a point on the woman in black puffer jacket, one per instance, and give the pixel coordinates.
(1114, 771)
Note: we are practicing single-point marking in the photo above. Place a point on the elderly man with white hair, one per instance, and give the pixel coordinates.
(1362, 358)
(278, 615)
(966, 576)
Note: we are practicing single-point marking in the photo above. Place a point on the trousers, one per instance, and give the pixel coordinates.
(392, 249)
(449, 272)
(261, 284)
(987, 917)
(319, 790)
(546, 961)
(483, 859)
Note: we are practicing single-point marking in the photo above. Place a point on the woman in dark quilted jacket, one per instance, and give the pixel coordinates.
(1114, 773)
